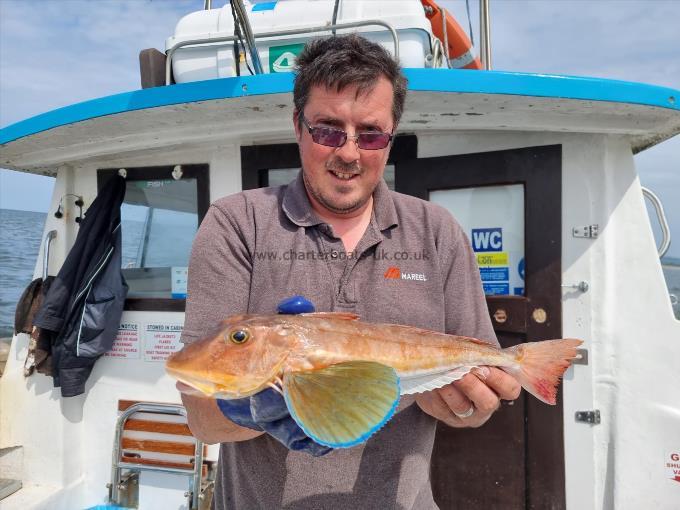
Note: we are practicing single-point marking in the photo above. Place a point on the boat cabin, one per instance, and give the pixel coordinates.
(538, 169)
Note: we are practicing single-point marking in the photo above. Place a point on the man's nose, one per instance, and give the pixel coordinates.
(349, 152)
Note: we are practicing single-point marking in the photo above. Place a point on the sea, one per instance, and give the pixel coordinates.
(20, 237)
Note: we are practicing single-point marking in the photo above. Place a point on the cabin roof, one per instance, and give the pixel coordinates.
(260, 107)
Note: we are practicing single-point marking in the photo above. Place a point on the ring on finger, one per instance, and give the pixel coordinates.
(467, 413)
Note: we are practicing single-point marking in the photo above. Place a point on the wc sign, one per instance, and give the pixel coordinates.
(487, 239)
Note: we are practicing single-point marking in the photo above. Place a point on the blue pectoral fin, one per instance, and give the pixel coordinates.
(342, 405)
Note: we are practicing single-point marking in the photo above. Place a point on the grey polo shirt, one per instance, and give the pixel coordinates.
(413, 266)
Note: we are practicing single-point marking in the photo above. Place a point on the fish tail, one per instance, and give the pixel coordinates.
(540, 365)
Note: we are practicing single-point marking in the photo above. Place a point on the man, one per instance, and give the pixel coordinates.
(349, 96)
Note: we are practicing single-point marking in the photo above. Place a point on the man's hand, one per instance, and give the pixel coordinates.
(471, 401)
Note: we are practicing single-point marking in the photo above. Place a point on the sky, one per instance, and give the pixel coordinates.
(55, 53)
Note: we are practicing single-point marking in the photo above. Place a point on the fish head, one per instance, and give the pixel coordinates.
(238, 359)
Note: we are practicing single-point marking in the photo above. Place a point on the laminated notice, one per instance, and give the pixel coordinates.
(161, 340)
(126, 344)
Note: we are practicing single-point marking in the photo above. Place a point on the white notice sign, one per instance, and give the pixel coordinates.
(126, 343)
(161, 340)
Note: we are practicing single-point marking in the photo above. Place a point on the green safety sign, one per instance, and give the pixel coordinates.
(282, 58)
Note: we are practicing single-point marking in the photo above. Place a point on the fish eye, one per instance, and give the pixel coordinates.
(239, 336)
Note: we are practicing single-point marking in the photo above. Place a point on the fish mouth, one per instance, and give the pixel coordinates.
(229, 389)
(207, 388)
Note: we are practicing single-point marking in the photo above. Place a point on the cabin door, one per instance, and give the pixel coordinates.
(509, 203)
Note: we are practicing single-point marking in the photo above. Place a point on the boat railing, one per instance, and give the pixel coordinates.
(663, 222)
(222, 40)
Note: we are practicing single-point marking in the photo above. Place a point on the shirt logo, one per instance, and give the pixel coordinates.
(394, 273)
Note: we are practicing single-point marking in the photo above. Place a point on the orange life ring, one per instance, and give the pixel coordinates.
(460, 47)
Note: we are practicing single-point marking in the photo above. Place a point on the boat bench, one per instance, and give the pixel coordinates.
(146, 440)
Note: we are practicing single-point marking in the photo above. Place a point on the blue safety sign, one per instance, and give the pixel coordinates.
(496, 289)
(487, 239)
(520, 268)
(494, 274)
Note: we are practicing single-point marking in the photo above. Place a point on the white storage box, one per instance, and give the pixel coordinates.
(216, 60)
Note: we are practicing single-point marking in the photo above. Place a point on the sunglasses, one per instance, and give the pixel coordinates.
(331, 137)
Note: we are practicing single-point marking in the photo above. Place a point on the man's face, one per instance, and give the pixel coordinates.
(341, 180)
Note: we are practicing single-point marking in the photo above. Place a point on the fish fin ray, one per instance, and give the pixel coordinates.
(429, 382)
(541, 365)
(332, 315)
(344, 404)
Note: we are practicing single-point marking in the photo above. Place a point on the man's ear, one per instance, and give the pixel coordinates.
(296, 124)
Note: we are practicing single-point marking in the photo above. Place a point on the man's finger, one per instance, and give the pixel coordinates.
(456, 401)
(483, 397)
(505, 386)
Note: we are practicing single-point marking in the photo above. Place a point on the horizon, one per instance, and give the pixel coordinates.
(81, 58)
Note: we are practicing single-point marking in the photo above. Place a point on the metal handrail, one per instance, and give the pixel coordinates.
(116, 463)
(46, 251)
(663, 222)
(299, 31)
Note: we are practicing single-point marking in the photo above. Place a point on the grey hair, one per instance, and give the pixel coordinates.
(337, 62)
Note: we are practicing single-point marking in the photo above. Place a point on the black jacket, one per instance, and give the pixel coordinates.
(83, 306)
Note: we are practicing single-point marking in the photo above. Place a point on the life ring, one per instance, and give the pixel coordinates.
(461, 55)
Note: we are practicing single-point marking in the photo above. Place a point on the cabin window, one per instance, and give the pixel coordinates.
(493, 219)
(159, 217)
(281, 176)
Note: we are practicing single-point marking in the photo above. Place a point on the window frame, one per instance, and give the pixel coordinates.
(200, 172)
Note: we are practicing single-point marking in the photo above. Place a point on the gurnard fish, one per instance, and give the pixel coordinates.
(342, 378)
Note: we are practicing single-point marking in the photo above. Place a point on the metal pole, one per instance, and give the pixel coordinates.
(242, 16)
(484, 34)
(207, 5)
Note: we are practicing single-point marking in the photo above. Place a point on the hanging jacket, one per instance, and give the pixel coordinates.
(82, 308)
